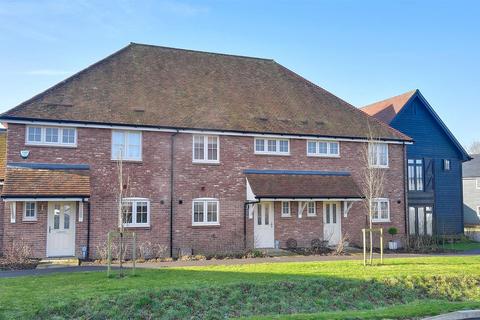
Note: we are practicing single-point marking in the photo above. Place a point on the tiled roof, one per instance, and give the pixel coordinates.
(3, 152)
(156, 86)
(303, 186)
(28, 182)
(471, 169)
(387, 109)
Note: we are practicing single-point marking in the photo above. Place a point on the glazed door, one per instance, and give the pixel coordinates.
(61, 229)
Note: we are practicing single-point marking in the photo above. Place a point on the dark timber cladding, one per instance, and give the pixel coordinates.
(155, 86)
(441, 189)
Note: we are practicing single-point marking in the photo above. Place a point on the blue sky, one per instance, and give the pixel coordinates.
(362, 51)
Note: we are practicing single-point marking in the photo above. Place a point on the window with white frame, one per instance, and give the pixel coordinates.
(51, 136)
(311, 209)
(29, 211)
(272, 146)
(127, 145)
(446, 165)
(136, 212)
(286, 211)
(320, 148)
(415, 174)
(205, 149)
(380, 210)
(378, 154)
(478, 211)
(477, 183)
(205, 212)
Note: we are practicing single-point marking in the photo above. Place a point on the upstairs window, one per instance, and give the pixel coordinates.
(380, 210)
(323, 148)
(205, 149)
(51, 136)
(205, 212)
(446, 165)
(136, 212)
(378, 155)
(415, 174)
(272, 146)
(127, 145)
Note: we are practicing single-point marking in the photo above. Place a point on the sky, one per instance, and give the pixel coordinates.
(362, 51)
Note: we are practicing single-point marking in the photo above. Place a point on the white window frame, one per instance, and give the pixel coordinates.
(478, 211)
(477, 183)
(380, 219)
(125, 143)
(377, 155)
(205, 202)
(205, 149)
(447, 165)
(265, 146)
(13, 212)
(289, 213)
(323, 155)
(314, 213)
(134, 223)
(43, 137)
(24, 216)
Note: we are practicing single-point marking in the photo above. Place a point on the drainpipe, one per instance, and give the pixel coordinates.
(87, 255)
(245, 212)
(405, 191)
(172, 140)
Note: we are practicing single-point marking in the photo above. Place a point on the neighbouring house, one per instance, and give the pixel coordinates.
(221, 152)
(471, 192)
(434, 164)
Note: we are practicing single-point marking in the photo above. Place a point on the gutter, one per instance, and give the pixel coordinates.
(87, 255)
(172, 158)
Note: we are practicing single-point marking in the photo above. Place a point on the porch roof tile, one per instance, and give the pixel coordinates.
(303, 186)
(27, 182)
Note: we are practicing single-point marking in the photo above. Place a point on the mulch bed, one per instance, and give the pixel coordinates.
(8, 265)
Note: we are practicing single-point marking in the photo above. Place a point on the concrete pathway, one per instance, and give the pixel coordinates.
(457, 315)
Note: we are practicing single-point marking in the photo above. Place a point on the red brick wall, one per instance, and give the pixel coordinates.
(225, 181)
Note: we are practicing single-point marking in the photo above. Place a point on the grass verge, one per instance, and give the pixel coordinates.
(246, 290)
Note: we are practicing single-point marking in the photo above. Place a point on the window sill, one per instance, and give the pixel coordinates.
(206, 163)
(205, 226)
(272, 154)
(29, 144)
(128, 161)
(381, 221)
(286, 216)
(29, 220)
(322, 156)
(145, 226)
(311, 216)
(379, 167)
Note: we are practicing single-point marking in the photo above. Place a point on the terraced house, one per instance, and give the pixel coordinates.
(221, 152)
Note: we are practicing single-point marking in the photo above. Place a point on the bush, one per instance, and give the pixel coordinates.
(17, 255)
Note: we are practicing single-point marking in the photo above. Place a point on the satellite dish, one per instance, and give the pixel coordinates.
(24, 153)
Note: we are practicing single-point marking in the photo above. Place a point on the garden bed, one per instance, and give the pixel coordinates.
(6, 264)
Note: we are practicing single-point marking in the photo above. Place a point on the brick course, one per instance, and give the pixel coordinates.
(225, 181)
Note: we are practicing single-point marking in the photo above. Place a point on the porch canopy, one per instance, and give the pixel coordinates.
(301, 185)
(42, 181)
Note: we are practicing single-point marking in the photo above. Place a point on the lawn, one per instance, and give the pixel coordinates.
(464, 245)
(330, 290)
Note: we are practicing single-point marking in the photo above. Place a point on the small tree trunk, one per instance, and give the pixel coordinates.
(121, 254)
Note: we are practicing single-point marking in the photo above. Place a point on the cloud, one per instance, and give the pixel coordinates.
(47, 72)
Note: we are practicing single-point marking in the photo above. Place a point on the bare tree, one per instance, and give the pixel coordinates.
(123, 210)
(372, 181)
(474, 148)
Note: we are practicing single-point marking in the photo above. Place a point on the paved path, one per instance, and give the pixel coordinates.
(159, 265)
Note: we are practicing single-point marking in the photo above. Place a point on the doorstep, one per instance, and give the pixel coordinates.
(58, 262)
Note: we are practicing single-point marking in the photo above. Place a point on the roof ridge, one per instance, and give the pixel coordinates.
(201, 51)
(353, 108)
(411, 93)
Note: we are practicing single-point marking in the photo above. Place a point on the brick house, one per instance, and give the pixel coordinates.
(221, 152)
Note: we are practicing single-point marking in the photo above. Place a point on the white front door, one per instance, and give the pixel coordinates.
(61, 229)
(332, 223)
(264, 226)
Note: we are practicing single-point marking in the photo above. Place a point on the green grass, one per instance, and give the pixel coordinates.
(464, 245)
(152, 290)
